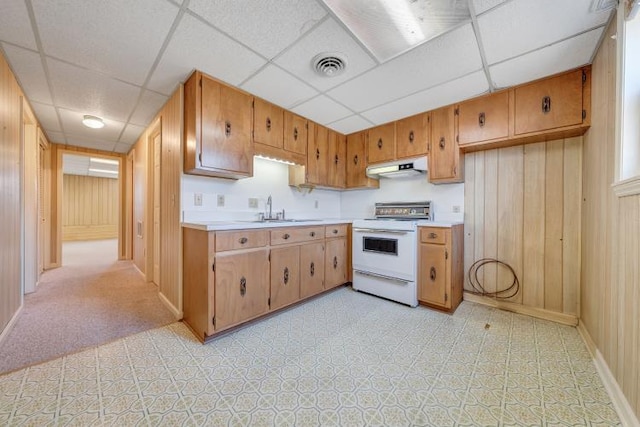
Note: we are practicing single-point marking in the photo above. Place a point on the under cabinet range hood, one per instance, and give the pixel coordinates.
(402, 168)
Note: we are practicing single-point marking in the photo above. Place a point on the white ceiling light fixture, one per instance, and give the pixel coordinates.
(92, 122)
(329, 64)
(389, 28)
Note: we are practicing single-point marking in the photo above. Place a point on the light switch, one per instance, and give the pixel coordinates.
(197, 199)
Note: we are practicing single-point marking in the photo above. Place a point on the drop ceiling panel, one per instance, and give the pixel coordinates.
(122, 148)
(521, 26)
(482, 6)
(91, 92)
(327, 37)
(279, 87)
(322, 110)
(270, 25)
(427, 65)
(99, 36)
(559, 57)
(15, 26)
(350, 124)
(95, 144)
(149, 105)
(456, 90)
(55, 137)
(47, 116)
(27, 66)
(72, 124)
(131, 134)
(195, 45)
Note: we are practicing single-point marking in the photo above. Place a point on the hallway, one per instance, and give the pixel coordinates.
(93, 299)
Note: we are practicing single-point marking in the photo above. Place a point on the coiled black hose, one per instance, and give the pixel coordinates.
(478, 289)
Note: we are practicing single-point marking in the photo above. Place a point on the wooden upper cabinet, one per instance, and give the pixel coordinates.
(217, 129)
(484, 119)
(356, 162)
(445, 159)
(337, 154)
(382, 143)
(412, 136)
(268, 122)
(295, 133)
(550, 103)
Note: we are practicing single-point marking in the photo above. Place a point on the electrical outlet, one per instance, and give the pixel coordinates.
(197, 199)
(220, 200)
(253, 202)
(456, 209)
(316, 204)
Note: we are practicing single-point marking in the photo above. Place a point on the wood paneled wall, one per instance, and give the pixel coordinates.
(10, 250)
(90, 208)
(522, 207)
(610, 289)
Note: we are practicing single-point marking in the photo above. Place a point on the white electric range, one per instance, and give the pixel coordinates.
(385, 251)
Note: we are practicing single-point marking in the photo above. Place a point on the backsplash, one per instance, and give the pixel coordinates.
(269, 178)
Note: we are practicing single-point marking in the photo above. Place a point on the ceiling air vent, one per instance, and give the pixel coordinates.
(329, 64)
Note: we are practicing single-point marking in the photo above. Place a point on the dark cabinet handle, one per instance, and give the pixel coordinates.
(432, 274)
(411, 137)
(227, 128)
(481, 119)
(243, 240)
(243, 286)
(432, 235)
(546, 104)
(295, 133)
(442, 143)
(285, 277)
(335, 262)
(312, 269)
(312, 234)
(380, 143)
(317, 153)
(355, 159)
(335, 231)
(336, 159)
(268, 124)
(286, 236)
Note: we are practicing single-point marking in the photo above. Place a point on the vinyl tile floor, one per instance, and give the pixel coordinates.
(344, 358)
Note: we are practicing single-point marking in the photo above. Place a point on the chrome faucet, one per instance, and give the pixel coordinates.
(269, 213)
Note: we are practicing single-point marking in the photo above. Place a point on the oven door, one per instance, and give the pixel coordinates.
(389, 253)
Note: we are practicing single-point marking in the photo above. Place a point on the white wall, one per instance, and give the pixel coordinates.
(269, 178)
(360, 203)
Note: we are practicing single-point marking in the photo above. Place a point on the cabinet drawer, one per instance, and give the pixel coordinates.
(287, 235)
(230, 240)
(338, 230)
(433, 235)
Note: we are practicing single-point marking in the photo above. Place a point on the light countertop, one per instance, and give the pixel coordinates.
(245, 225)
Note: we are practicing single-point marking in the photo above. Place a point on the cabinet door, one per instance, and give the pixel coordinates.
(267, 123)
(444, 155)
(432, 280)
(285, 276)
(412, 136)
(335, 267)
(317, 155)
(226, 142)
(549, 103)
(336, 159)
(356, 162)
(311, 269)
(295, 133)
(484, 118)
(241, 286)
(382, 143)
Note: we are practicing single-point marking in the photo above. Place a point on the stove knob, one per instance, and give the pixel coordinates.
(413, 212)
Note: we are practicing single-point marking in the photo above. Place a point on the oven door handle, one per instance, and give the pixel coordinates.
(381, 276)
(379, 230)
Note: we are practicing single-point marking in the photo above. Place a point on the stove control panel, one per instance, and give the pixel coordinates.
(404, 210)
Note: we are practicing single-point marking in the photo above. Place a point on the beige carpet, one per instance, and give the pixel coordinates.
(93, 299)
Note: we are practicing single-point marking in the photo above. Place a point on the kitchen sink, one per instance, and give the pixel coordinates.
(276, 221)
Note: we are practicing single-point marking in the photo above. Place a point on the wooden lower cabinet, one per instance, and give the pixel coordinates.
(285, 276)
(241, 287)
(311, 269)
(440, 266)
(231, 277)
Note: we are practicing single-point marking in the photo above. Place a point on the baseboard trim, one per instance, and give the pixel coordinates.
(177, 313)
(565, 319)
(586, 337)
(12, 322)
(625, 412)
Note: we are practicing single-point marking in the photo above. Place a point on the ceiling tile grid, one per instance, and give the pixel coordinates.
(279, 87)
(322, 109)
(15, 26)
(351, 124)
(72, 124)
(28, 68)
(149, 105)
(47, 116)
